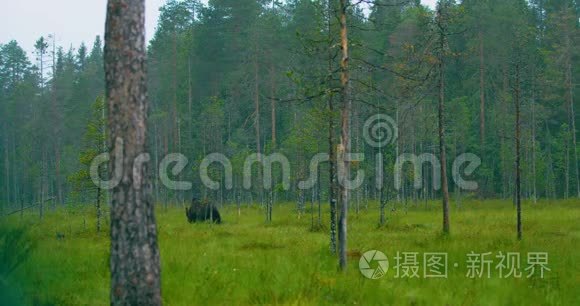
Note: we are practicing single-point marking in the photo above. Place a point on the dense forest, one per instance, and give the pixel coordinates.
(247, 76)
(352, 127)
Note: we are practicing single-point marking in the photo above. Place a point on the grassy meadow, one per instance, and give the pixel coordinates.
(245, 261)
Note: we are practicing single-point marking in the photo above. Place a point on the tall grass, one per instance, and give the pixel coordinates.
(244, 261)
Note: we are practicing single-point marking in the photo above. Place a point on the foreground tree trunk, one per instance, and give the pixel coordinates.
(135, 271)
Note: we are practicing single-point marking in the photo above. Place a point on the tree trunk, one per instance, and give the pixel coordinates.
(441, 117)
(189, 99)
(573, 127)
(570, 93)
(257, 105)
(56, 131)
(134, 259)
(16, 191)
(380, 185)
(6, 165)
(98, 209)
(398, 146)
(273, 105)
(567, 164)
(271, 205)
(481, 95)
(550, 185)
(481, 104)
(333, 188)
(534, 174)
(318, 199)
(345, 131)
(518, 192)
(43, 181)
(257, 126)
(332, 192)
(174, 121)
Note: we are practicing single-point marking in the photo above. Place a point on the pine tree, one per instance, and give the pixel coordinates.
(135, 264)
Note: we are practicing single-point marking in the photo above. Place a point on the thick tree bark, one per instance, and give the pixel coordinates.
(345, 133)
(135, 269)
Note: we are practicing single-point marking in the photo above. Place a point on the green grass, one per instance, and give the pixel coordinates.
(244, 261)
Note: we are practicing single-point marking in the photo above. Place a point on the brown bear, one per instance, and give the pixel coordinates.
(201, 211)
